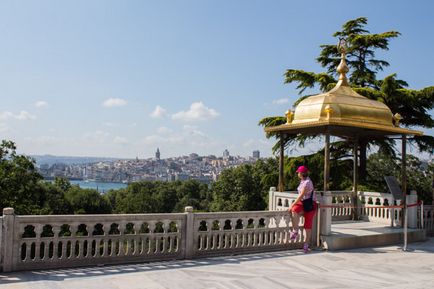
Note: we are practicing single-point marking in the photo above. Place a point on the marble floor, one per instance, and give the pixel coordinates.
(382, 267)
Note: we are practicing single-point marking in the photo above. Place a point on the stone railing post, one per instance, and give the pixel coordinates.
(412, 211)
(189, 233)
(8, 239)
(271, 204)
(326, 214)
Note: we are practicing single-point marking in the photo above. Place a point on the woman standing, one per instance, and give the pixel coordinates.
(305, 195)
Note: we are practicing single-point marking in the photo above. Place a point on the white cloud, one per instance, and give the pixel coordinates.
(3, 127)
(197, 111)
(96, 137)
(281, 101)
(257, 143)
(112, 102)
(41, 104)
(158, 140)
(110, 124)
(23, 115)
(188, 136)
(120, 140)
(164, 130)
(193, 131)
(47, 140)
(158, 112)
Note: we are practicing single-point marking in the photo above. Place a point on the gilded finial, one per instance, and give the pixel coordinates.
(328, 109)
(289, 114)
(396, 119)
(342, 67)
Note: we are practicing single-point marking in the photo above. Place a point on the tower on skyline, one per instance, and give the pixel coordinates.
(226, 154)
(256, 154)
(157, 154)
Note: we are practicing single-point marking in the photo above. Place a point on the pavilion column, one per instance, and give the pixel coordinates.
(355, 179)
(326, 213)
(404, 176)
(281, 186)
(326, 162)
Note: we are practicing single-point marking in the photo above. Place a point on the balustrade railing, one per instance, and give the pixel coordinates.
(42, 242)
(78, 240)
(1, 240)
(371, 206)
(428, 219)
(342, 198)
(217, 233)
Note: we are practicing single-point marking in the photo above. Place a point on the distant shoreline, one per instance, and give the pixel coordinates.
(100, 186)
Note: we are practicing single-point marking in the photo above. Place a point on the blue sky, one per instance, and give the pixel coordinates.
(121, 78)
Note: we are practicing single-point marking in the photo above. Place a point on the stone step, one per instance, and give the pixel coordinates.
(359, 235)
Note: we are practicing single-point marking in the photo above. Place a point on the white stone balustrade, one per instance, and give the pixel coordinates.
(428, 219)
(342, 198)
(240, 232)
(36, 242)
(42, 242)
(388, 216)
(370, 207)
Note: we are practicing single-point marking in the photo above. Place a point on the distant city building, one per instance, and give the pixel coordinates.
(204, 169)
(193, 155)
(226, 154)
(256, 154)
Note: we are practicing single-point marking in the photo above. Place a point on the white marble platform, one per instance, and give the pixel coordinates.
(382, 267)
(358, 234)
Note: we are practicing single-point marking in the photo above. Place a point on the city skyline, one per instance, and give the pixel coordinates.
(113, 79)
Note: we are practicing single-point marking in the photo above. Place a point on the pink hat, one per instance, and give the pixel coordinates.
(302, 169)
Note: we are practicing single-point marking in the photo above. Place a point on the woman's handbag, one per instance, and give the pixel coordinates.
(308, 203)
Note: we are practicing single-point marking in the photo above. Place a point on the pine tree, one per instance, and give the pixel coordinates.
(412, 105)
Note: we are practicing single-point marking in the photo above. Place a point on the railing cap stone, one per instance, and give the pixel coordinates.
(8, 211)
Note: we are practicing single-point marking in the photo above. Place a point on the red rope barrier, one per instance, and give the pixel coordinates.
(368, 207)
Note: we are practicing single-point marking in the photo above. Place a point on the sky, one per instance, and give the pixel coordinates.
(121, 78)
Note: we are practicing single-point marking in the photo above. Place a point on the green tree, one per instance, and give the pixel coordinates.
(192, 193)
(52, 199)
(413, 105)
(87, 201)
(419, 175)
(18, 181)
(238, 189)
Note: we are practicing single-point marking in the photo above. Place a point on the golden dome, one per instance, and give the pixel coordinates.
(342, 112)
(342, 104)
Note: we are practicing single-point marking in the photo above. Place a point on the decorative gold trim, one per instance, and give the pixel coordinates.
(301, 126)
(289, 116)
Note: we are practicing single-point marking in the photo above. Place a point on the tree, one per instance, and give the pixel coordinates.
(238, 189)
(192, 193)
(419, 176)
(18, 181)
(87, 201)
(52, 198)
(413, 105)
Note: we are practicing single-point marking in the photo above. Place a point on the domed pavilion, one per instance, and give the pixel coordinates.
(344, 113)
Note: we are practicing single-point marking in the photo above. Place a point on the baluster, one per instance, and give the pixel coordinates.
(105, 247)
(208, 240)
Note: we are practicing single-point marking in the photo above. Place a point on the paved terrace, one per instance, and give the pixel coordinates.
(381, 267)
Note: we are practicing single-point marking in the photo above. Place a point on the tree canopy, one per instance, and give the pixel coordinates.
(413, 105)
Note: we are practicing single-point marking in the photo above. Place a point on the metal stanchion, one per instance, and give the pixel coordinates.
(421, 216)
(318, 225)
(405, 227)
